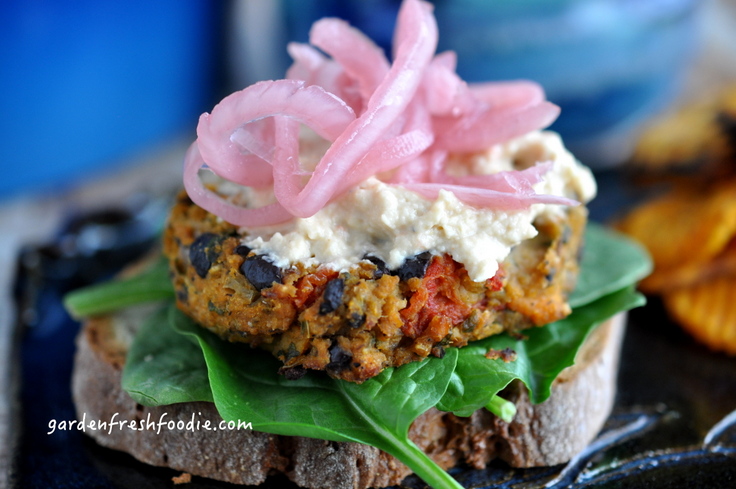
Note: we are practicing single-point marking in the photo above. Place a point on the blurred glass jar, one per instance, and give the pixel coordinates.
(608, 63)
(87, 84)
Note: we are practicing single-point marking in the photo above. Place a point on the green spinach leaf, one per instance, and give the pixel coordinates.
(540, 357)
(610, 262)
(163, 367)
(246, 386)
(151, 285)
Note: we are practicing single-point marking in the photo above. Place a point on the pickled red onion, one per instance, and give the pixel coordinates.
(519, 93)
(241, 118)
(314, 68)
(212, 202)
(482, 197)
(420, 169)
(404, 117)
(361, 59)
(396, 151)
(387, 155)
(486, 128)
(519, 181)
(417, 31)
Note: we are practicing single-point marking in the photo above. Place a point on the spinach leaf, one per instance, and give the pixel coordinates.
(245, 386)
(163, 367)
(540, 357)
(151, 285)
(610, 262)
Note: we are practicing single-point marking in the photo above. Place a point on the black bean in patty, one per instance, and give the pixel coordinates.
(182, 295)
(381, 268)
(242, 250)
(356, 320)
(414, 267)
(438, 351)
(339, 359)
(261, 272)
(202, 253)
(332, 297)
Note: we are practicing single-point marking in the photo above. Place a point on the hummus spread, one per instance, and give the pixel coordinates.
(393, 223)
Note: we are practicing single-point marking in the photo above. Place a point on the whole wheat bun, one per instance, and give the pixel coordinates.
(543, 434)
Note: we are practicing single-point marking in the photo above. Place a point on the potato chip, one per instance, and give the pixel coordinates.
(683, 138)
(727, 103)
(691, 231)
(696, 141)
(692, 273)
(707, 311)
(727, 122)
(684, 228)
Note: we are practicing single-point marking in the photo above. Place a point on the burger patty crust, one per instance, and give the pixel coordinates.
(355, 323)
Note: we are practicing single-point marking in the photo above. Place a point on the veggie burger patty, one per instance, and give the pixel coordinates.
(354, 323)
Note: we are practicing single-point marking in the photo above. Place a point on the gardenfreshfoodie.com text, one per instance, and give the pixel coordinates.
(164, 422)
